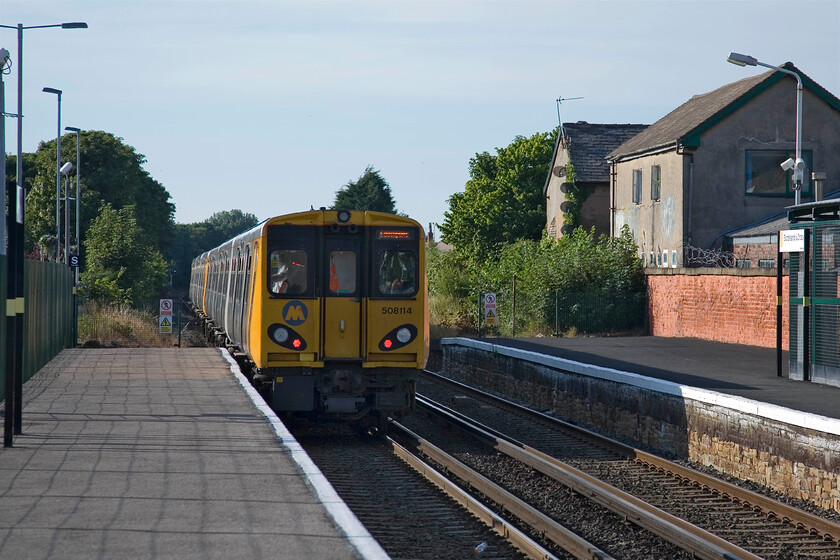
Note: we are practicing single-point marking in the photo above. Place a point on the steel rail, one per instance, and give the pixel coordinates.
(565, 538)
(773, 508)
(696, 540)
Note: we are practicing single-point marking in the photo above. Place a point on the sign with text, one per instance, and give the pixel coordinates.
(792, 241)
(490, 315)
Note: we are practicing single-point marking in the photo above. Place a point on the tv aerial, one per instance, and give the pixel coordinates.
(560, 100)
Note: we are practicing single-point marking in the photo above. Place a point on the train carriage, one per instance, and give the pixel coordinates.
(327, 308)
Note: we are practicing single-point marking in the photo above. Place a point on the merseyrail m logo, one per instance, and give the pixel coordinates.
(295, 313)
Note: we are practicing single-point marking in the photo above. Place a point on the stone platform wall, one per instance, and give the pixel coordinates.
(791, 452)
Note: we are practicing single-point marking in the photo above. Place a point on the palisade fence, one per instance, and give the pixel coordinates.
(562, 313)
(48, 315)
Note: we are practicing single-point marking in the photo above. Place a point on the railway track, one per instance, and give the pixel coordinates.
(404, 514)
(740, 522)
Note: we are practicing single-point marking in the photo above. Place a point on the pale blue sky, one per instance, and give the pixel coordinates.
(272, 106)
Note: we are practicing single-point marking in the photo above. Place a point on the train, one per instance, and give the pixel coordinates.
(325, 310)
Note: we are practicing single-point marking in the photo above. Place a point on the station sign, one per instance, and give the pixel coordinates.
(792, 241)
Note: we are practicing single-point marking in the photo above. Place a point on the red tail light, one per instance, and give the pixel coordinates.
(388, 343)
(296, 343)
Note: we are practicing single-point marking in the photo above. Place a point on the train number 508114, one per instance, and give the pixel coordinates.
(396, 311)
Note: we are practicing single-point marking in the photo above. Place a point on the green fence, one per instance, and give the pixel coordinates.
(48, 315)
(561, 312)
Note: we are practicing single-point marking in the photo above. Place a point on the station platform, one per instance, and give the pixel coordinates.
(163, 453)
(742, 371)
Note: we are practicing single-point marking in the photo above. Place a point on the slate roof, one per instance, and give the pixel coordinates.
(589, 145)
(686, 122)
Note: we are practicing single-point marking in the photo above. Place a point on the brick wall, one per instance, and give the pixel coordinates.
(725, 305)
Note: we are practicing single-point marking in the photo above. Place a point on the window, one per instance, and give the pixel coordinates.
(342, 272)
(288, 272)
(765, 176)
(397, 272)
(655, 181)
(637, 186)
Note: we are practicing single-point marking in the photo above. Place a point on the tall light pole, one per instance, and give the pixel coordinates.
(798, 165)
(57, 92)
(4, 60)
(15, 303)
(65, 170)
(78, 191)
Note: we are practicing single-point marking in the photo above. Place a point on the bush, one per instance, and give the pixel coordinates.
(577, 283)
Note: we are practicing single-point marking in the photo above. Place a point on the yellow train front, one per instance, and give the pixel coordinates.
(328, 308)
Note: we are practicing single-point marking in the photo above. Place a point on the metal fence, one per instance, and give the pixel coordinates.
(48, 315)
(560, 313)
(137, 325)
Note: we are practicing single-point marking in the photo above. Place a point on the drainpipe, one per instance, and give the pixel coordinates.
(612, 198)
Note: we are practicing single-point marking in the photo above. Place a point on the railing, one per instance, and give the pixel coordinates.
(48, 315)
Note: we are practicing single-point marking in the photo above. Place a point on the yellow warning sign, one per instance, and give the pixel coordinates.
(165, 324)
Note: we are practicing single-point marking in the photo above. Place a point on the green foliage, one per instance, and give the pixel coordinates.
(368, 192)
(574, 271)
(577, 195)
(112, 174)
(193, 239)
(122, 263)
(503, 200)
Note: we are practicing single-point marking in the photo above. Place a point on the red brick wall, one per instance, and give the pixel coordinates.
(736, 306)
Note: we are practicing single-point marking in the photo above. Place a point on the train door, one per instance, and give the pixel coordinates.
(342, 322)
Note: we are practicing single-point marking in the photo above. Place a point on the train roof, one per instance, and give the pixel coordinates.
(312, 217)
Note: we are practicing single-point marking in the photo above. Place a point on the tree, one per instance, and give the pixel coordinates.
(503, 200)
(112, 174)
(368, 192)
(122, 263)
(193, 239)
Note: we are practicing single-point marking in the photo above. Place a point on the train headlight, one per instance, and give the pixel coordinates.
(399, 337)
(281, 335)
(286, 337)
(404, 335)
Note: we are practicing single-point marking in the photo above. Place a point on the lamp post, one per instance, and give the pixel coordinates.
(78, 191)
(15, 303)
(65, 170)
(57, 92)
(4, 60)
(798, 165)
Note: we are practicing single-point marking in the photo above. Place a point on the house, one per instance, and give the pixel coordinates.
(714, 164)
(586, 146)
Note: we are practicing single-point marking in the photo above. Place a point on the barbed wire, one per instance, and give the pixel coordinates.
(707, 258)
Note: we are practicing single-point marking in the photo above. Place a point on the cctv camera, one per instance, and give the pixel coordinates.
(788, 164)
(66, 168)
(4, 55)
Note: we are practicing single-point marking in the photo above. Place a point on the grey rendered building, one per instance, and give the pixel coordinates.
(713, 164)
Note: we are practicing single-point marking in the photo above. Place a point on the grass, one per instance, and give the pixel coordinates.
(120, 326)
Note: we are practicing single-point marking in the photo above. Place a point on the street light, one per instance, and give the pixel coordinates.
(57, 92)
(798, 165)
(4, 60)
(65, 170)
(78, 191)
(14, 263)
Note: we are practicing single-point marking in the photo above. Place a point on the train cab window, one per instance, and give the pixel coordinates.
(288, 272)
(342, 272)
(397, 272)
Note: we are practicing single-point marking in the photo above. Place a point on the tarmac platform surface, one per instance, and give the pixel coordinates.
(733, 369)
(160, 453)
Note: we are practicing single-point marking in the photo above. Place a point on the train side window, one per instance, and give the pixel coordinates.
(342, 272)
(288, 272)
(397, 272)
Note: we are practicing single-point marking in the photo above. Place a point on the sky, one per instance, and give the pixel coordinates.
(270, 107)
